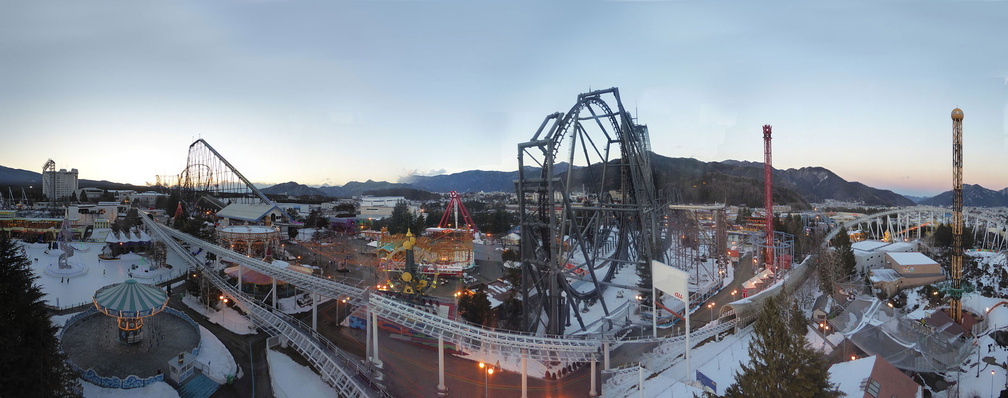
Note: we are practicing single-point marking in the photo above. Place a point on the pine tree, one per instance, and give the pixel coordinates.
(782, 364)
(32, 363)
(847, 263)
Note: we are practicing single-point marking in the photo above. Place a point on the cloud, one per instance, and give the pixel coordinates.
(418, 173)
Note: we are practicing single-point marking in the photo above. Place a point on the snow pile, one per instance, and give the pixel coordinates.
(227, 317)
(217, 360)
(291, 379)
(718, 360)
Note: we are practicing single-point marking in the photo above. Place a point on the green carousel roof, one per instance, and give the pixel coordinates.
(130, 299)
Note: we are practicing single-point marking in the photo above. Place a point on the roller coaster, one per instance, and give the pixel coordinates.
(573, 244)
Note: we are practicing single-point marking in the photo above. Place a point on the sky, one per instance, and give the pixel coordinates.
(334, 91)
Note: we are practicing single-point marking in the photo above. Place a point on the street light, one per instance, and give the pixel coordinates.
(992, 382)
(486, 376)
(711, 306)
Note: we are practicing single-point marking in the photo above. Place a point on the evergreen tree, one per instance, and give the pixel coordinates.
(32, 363)
(401, 219)
(846, 263)
(782, 364)
(475, 307)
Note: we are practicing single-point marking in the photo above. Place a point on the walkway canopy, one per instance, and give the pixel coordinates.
(130, 299)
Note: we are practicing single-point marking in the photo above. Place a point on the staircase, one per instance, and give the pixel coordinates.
(198, 386)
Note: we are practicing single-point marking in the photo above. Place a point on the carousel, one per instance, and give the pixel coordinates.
(130, 302)
(251, 240)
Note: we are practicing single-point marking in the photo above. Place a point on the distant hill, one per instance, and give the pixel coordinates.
(676, 179)
(466, 181)
(973, 195)
(292, 189)
(10, 177)
(356, 188)
(19, 177)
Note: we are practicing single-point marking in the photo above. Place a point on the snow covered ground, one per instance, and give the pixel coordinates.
(227, 317)
(217, 360)
(291, 379)
(80, 289)
(717, 360)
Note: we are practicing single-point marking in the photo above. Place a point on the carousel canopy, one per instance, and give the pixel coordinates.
(130, 299)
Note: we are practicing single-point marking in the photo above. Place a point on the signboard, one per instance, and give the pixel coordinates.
(706, 382)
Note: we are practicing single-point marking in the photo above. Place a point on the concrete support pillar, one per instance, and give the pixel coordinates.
(314, 310)
(374, 343)
(605, 355)
(442, 389)
(274, 294)
(524, 359)
(591, 390)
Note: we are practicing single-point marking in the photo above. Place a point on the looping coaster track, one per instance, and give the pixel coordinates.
(210, 182)
(584, 212)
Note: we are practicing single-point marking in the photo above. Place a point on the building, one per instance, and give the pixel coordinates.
(146, 199)
(872, 377)
(378, 207)
(905, 270)
(57, 185)
(250, 214)
(96, 216)
(870, 254)
(93, 194)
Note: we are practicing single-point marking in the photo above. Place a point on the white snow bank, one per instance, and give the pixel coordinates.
(291, 379)
(217, 360)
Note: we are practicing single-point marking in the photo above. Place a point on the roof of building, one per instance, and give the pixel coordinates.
(824, 303)
(911, 258)
(869, 245)
(855, 377)
(884, 275)
(847, 376)
(246, 212)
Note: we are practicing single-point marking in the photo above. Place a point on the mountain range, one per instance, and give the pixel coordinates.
(683, 180)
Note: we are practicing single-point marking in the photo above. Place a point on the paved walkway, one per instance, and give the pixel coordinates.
(93, 342)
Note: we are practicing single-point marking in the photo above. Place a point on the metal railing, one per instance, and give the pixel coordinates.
(321, 353)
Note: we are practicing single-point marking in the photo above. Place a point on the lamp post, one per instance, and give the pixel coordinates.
(486, 376)
(992, 382)
(711, 306)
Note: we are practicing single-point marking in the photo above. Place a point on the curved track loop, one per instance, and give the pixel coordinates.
(210, 182)
(592, 210)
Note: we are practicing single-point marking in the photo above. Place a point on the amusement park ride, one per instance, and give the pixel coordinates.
(415, 264)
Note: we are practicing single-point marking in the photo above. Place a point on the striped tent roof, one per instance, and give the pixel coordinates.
(130, 299)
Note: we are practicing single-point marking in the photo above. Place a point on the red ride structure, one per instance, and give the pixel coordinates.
(768, 226)
(455, 207)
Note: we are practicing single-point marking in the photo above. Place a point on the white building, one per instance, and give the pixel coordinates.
(380, 206)
(57, 185)
(98, 216)
(93, 194)
(870, 254)
(146, 199)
